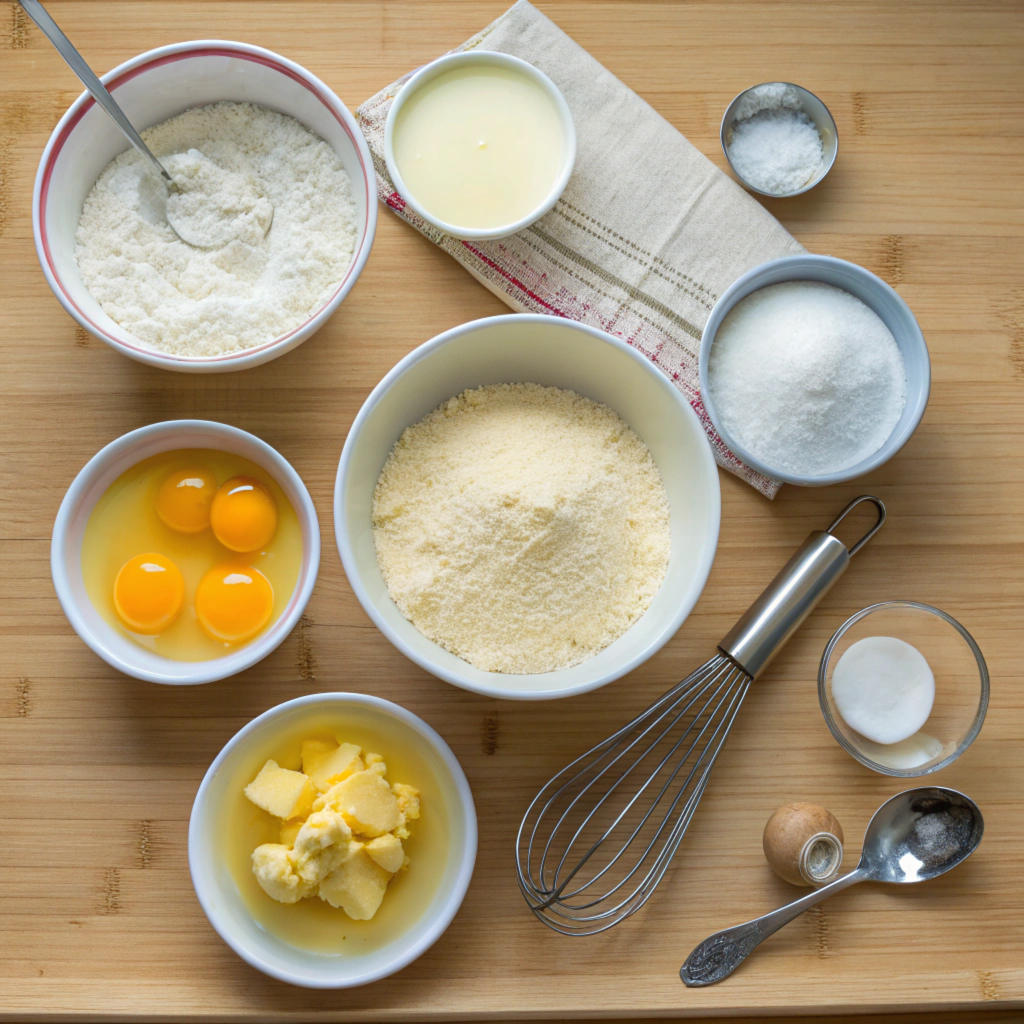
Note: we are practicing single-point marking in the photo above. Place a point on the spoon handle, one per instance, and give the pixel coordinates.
(35, 10)
(720, 954)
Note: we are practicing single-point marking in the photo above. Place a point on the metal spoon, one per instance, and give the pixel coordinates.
(35, 10)
(915, 836)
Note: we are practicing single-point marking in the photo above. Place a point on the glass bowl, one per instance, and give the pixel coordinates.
(961, 687)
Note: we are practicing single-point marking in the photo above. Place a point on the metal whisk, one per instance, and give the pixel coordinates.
(598, 838)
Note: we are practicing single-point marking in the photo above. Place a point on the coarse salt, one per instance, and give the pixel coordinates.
(806, 378)
(774, 145)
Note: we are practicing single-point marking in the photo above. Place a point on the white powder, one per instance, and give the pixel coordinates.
(774, 145)
(210, 206)
(522, 528)
(235, 164)
(806, 378)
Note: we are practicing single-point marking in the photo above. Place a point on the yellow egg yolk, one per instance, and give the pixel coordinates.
(148, 593)
(234, 602)
(184, 499)
(243, 514)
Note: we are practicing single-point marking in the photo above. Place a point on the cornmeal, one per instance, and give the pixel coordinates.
(342, 828)
(523, 528)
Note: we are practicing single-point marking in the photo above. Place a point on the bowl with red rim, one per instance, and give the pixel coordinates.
(151, 88)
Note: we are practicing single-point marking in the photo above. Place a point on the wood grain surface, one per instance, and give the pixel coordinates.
(98, 772)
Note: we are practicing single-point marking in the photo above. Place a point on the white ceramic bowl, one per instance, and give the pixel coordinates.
(449, 799)
(115, 647)
(493, 58)
(529, 348)
(151, 88)
(877, 296)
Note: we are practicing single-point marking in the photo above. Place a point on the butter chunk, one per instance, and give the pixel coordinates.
(366, 802)
(337, 765)
(408, 800)
(282, 792)
(386, 850)
(321, 845)
(357, 886)
(274, 868)
(314, 752)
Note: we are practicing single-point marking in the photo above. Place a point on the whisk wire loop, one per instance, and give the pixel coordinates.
(727, 682)
(612, 789)
(657, 766)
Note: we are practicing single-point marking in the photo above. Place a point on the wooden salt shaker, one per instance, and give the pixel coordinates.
(804, 844)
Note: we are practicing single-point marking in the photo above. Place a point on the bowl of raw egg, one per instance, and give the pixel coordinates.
(185, 551)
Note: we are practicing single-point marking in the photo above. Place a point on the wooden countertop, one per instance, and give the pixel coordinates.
(98, 772)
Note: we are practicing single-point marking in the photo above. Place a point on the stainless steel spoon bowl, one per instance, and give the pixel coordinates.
(915, 836)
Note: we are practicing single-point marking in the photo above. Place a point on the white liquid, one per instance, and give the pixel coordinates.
(912, 752)
(883, 688)
(479, 147)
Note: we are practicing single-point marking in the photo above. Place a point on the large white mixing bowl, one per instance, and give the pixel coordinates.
(527, 348)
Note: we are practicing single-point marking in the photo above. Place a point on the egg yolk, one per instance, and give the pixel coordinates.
(148, 593)
(243, 514)
(184, 499)
(234, 602)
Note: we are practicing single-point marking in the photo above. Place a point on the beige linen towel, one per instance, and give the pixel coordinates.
(646, 236)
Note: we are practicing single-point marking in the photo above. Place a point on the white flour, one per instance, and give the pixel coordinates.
(235, 164)
(522, 528)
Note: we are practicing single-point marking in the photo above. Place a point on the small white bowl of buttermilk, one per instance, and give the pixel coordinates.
(263, 231)
(813, 370)
(480, 144)
(527, 507)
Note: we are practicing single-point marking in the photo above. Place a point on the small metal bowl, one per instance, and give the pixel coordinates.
(961, 688)
(815, 110)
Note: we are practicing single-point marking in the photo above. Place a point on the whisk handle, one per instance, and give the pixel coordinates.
(720, 954)
(784, 604)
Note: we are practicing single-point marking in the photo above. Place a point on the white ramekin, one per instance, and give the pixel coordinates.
(494, 59)
(151, 88)
(548, 350)
(877, 296)
(113, 646)
(218, 893)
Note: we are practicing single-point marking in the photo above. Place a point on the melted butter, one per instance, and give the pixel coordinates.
(312, 924)
(479, 147)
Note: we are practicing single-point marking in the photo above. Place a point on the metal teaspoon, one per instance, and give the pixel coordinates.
(35, 10)
(914, 836)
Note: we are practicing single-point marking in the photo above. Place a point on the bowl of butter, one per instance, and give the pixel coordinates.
(332, 840)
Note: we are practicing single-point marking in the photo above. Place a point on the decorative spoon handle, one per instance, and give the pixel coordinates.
(35, 10)
(720, 954)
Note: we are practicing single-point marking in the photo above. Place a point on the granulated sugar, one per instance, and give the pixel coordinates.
(522, 528)
(806, 378)
(774, 145)
(235, 165)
